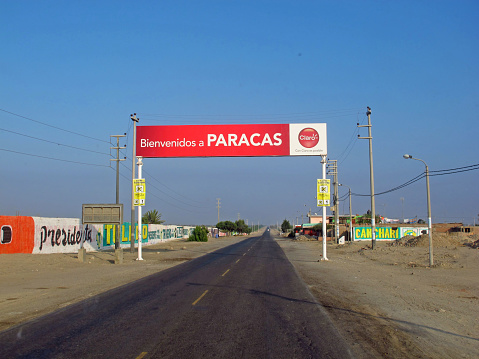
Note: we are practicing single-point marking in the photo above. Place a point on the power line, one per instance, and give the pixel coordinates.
(55, 143)
(277, 115)
(162, 199)
(52, 158)
(165, 193)
(55, 127)
(422, 175)
(352, 142)
(304, 116)
(411, 181)
(458, 168)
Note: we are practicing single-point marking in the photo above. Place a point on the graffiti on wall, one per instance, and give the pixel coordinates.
(162, 233)
(387, 233)
(23, 234)
(64, 237)
(110, 235)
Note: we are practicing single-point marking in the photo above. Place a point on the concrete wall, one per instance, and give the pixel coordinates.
(21, 234)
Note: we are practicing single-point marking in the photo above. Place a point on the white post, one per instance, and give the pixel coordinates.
(324, 258)
(350, 217)
(140, 164)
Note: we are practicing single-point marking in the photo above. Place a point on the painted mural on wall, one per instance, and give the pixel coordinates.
(110, 235)
(22, 234)
(387, 233)
(60, 235)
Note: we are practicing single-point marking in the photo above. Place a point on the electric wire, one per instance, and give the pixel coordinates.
(421, 176)
(151, 177)
(55, 143)
(453, 169)
(265, 118)
(162, 200)
(277, 115)
(352, 142)
(450, 173)
(52, 158)
(411, 181)
(55, 127)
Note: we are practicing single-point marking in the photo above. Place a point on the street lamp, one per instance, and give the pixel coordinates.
(431, 260)
(350, 214)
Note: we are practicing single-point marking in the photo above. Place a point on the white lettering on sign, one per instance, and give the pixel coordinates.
(146, 142)
(255, 139)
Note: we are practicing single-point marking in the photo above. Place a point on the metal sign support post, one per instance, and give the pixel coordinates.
(132, 225)
(350, 217)
(140, 234)
(324, 258)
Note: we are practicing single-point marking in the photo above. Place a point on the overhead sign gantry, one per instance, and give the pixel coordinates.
(307, 139)
(246, 140)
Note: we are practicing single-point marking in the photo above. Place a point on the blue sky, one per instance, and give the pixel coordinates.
(80, 68)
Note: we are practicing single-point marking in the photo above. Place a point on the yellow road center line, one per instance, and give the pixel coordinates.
(201, 296)
(141, 355)
(238, 260)
(225, 273)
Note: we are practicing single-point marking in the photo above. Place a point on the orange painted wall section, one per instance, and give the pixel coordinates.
(23, 234)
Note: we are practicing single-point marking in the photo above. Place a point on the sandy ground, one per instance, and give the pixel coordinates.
(386, 302)
(32, 285)
(389, 303)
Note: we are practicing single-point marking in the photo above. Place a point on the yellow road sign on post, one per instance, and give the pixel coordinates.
(139, 189)
(323, 193)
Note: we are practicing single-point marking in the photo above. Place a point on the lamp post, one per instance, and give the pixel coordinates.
(350, 214)
(431, 260)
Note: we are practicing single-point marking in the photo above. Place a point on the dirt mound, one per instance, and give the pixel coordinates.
(402, 242)
(438, 240)
(304, 237)
(474, 244)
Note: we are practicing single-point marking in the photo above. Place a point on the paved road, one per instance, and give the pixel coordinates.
(243, 301)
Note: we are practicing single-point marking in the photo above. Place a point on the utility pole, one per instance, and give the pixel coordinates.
(132, 225)
(333, 170)
(117, 160)
(350, 214)
(371, 176)
(218, 205)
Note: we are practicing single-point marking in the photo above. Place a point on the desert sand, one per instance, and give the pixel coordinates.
(386, 302)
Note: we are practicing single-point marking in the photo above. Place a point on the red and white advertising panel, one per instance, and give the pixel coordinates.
(307, 139)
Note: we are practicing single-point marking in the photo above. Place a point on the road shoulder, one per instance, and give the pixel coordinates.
(388, 303)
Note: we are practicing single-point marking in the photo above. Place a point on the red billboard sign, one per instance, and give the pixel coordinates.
(232, 140)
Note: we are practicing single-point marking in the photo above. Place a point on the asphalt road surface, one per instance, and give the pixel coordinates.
(243, 301)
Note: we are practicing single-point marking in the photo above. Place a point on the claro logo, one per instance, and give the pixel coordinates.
(308, 137)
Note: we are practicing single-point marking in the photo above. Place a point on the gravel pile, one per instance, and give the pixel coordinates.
(438, 240)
